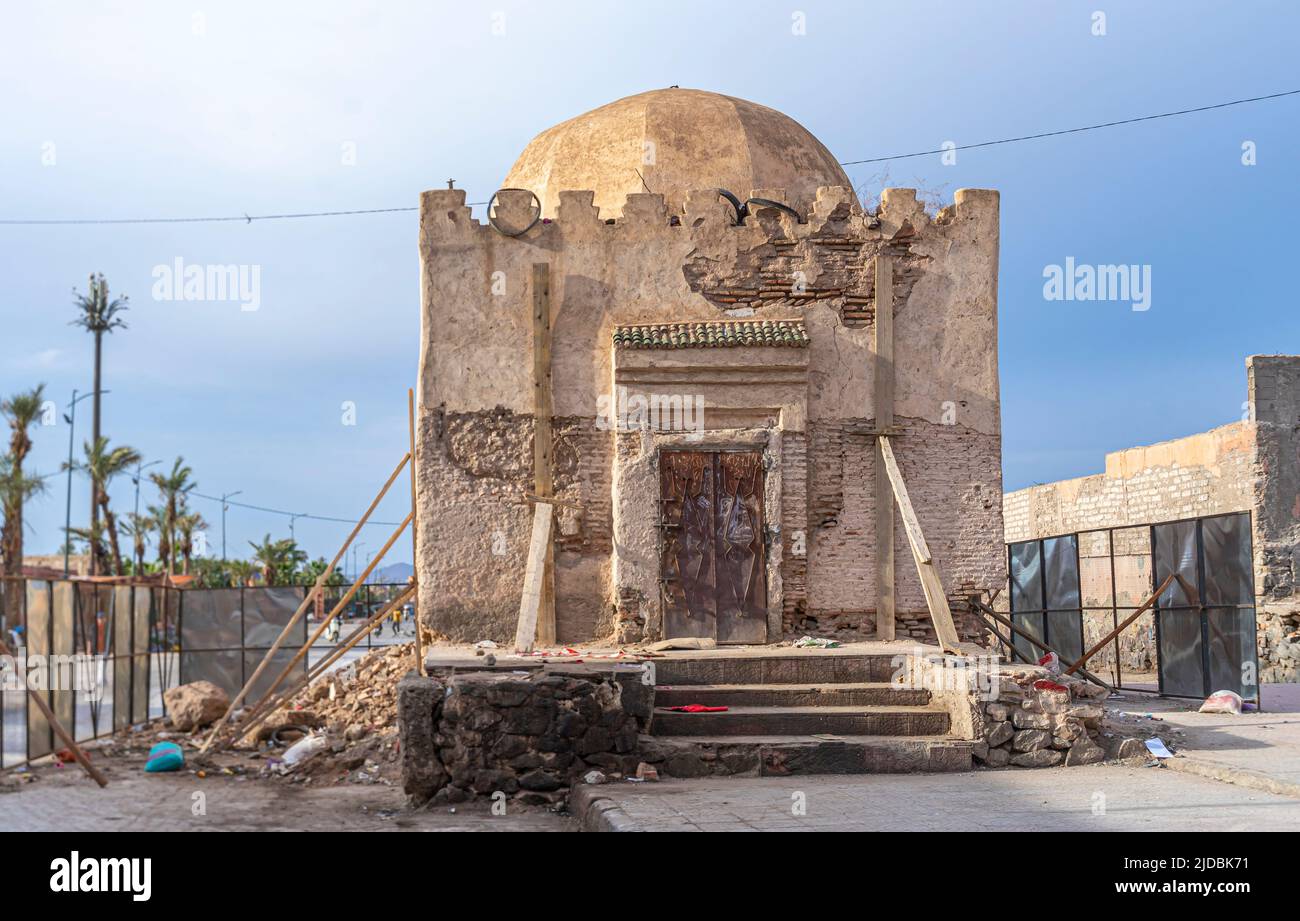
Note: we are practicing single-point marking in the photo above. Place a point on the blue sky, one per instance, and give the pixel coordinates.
(167, 109)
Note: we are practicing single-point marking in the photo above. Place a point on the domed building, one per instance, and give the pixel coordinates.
(681, 328)
(669, 142)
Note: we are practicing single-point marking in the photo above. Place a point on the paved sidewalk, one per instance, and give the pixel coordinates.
(1094, 798)
(1261, 750)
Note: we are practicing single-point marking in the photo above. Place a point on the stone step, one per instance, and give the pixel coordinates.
(805, 721)
(827, 667)
(859, 694)
(778, 756)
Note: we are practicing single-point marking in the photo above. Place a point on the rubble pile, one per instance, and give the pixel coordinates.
(341, 729)
(1041, 719)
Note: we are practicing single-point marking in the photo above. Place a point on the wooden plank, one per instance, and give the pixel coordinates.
(78, 755)
(526, 631)
(543, 484)
(910, 523)
(415, 545)
(882, 346)
(935, 598)
(302, 609)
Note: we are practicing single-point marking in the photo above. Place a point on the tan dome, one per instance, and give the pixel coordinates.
(678, 140)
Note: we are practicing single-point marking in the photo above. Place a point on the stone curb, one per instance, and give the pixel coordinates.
(1239, 776)
(596, 812)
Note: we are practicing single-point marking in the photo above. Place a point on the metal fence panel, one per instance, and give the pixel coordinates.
(267, 610)
(64, 701)
(40, 738)
(1229, 575)
(1181, 673)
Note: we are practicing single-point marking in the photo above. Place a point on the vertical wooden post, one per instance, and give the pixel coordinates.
(882, 347)
(543, 484)
(415, 544)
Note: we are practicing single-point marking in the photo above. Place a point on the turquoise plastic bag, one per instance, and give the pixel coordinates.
(165, 756)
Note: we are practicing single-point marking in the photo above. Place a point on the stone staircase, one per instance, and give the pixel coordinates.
(798, 714)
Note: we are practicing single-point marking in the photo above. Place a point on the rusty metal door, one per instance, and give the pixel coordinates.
(713, 562)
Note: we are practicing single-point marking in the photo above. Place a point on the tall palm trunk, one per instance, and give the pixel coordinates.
(94, 488)
(110, 526)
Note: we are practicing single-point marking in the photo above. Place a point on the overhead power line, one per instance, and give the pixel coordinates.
(249, 218)
(277, 511)
(1052, 134)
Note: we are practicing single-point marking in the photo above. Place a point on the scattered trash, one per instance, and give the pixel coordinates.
(594, 777)
(816, 642)
(485, 644)
(1157, 749)
(645, 772)
(1223, 702)
(165, 756)
(1043, 684)
(303, 749)
(1051, 662)
(696, 708)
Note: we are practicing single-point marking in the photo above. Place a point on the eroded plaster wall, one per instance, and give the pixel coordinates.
(474, 447)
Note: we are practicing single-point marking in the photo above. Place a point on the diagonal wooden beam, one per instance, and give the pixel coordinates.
(935, 599)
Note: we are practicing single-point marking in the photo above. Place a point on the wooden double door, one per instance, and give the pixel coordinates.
(713, 562)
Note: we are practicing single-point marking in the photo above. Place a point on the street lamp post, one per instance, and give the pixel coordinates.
(70, 417)
(224, 497)
(139, 470)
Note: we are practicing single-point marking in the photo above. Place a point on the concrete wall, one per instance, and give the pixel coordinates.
(474, 443)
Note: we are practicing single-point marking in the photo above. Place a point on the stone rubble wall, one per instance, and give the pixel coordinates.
(1041, 720)
(527, 737)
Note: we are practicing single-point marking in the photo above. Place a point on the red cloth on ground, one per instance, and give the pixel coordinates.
(697, 708)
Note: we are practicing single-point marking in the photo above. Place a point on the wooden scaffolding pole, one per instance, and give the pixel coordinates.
(342, 603)
(531, 600)
(322, 666)
(935, 599)
(302, 608)
(543, 482)
(415, 546)
(882, 345)
(64, 736)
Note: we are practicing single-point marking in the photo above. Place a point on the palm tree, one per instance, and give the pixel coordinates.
(99, 315)
(20, 411)
(102, 464)
(173, 487)
(93, 539)
(241, 571)
(278, 560)
(139, 527)
(16, 488)
(158, 514)
(186, 524)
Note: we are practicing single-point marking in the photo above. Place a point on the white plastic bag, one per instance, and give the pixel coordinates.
(1223, 702)
(304, 748)
(1051, 663)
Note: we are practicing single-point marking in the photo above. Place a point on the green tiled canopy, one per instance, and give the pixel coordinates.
(714, 335)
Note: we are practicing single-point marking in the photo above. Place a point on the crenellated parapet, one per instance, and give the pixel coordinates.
(836, 213)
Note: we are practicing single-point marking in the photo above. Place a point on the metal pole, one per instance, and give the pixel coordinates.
(224, 507)
(67, 515)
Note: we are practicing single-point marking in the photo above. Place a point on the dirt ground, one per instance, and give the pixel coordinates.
(53, 798)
